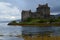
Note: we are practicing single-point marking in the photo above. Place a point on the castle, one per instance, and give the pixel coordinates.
(42, 11)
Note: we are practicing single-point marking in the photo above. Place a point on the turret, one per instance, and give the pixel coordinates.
(43, 10)
(26, 14)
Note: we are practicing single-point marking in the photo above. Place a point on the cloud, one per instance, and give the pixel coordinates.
(11, 10)
(54, 13)
(7, 10)
(56, 9)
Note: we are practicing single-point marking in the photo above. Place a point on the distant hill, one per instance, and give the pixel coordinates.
(18, 20)
(9, 21)
(58, 15)
(4, 21)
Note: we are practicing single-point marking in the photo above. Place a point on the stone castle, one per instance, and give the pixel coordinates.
(42, 11)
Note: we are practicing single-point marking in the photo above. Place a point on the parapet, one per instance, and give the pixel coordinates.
(46, 5)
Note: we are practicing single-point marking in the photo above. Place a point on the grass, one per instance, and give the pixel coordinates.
(37, 22)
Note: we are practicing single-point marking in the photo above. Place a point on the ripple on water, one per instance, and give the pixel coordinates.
(10, 38)
(10, 30)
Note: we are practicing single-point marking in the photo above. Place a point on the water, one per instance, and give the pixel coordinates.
(10, 38)
(7, 30)
(55, 31)
(10, 32)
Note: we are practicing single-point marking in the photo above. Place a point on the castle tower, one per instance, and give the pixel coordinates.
(43, 10)
(25, 14)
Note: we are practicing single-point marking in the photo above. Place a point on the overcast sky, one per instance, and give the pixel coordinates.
(11, 9)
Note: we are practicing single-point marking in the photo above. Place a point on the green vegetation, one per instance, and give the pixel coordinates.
(33, 21)
(37, 21)
(13, 21)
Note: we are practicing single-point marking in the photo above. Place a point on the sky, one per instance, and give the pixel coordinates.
(11, 9)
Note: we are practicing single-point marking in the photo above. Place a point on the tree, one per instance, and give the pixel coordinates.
(41, 21)
(52, 20)
(13, 21)
(29, 19)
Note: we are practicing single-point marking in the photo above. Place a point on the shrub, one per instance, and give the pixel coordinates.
(41, 21)
(13, 21)
(29, 19)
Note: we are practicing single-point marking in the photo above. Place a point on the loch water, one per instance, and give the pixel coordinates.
(10, 32)
(6, 31)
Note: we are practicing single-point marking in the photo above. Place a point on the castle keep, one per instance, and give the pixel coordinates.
(42, 11)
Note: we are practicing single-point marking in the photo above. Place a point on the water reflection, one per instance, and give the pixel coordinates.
(55, 31)
(10, 38)
(10, 32)
(15, 32)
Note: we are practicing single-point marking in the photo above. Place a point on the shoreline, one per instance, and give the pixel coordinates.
(40, 24)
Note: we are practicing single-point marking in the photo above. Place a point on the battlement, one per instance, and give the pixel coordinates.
(46, 5)
(26, 10)
(42, 11)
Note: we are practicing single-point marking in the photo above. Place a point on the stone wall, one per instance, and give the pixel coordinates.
(25, 15)
(42, 11)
